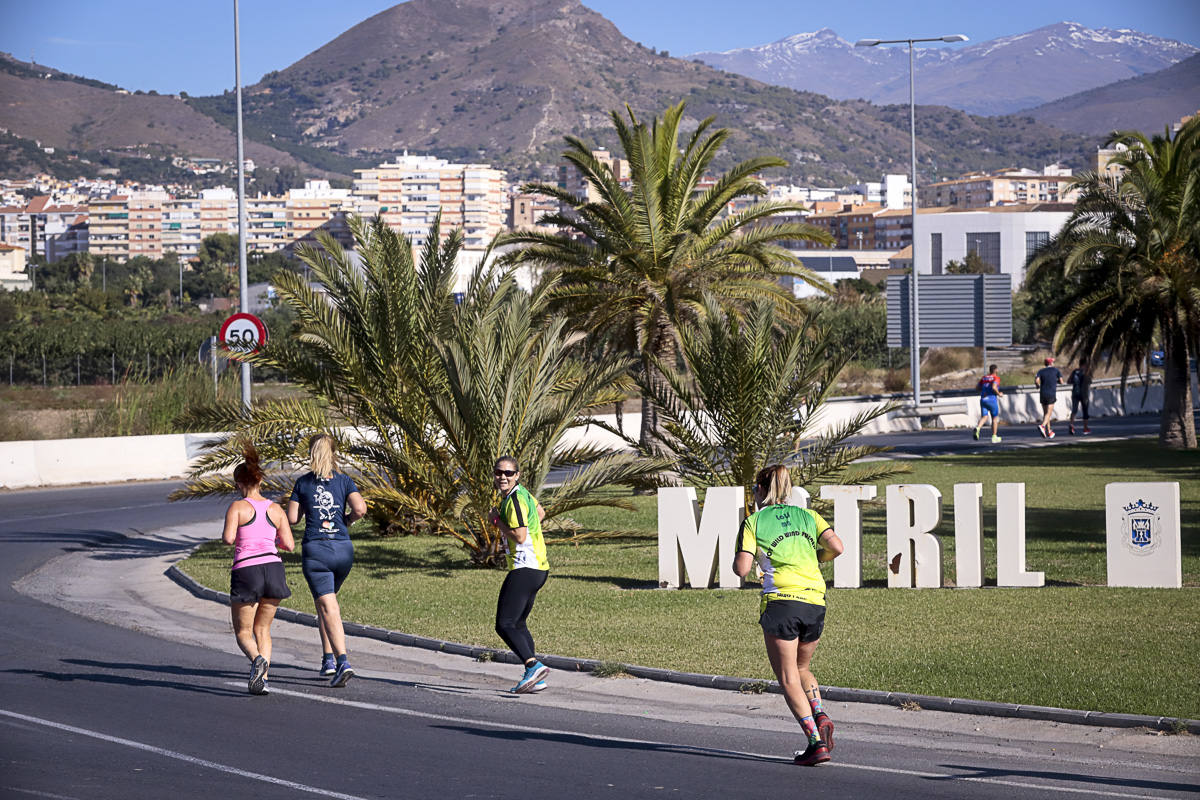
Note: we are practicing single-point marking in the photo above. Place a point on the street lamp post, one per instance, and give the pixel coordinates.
(915, 338)
(244, 289)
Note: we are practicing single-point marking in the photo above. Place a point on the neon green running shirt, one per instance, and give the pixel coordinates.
(519, 509)
(784, 539)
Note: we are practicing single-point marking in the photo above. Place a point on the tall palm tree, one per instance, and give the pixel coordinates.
(638, 261)
(752, 395)
(1133, 246)
(424, 393)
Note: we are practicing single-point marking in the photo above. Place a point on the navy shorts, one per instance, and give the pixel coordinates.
(326, 563)
(253, 583)
(989, 405)
(791, 619)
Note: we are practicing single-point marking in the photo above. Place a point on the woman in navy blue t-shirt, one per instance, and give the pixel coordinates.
(322, 495)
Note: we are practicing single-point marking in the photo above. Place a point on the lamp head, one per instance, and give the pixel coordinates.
(866, 42)
(955, 37)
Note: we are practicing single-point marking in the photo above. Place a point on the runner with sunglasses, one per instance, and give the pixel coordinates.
(519, 518)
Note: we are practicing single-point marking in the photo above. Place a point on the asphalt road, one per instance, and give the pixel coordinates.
(958, 441)
(142, 695)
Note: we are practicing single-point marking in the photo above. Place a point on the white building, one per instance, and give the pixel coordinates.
(1003, 236)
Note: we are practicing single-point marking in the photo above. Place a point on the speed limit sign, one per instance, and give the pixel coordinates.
(243, 333)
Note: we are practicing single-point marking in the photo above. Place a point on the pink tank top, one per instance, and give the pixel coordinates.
(255, 543)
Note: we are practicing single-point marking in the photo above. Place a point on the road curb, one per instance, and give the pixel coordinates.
(727, 682)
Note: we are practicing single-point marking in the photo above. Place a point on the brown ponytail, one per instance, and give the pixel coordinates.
(249, 473)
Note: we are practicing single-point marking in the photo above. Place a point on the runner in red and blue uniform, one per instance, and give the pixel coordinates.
(989, 404)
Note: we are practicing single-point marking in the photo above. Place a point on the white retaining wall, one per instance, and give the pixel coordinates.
(59, 462)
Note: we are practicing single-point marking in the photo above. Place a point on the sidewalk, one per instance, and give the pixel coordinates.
(126, 584)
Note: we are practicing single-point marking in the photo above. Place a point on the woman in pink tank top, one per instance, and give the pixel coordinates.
(256, 528)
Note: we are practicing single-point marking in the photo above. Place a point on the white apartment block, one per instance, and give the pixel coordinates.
(409, 192)
(1003, 236)
(1008, 187)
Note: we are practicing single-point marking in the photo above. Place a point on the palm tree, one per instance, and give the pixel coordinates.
(422, 393)
(1133, 247)
(750, 396)
(638, 261)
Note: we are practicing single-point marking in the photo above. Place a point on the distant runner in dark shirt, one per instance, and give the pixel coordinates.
(1047, 380)
(1081, 389)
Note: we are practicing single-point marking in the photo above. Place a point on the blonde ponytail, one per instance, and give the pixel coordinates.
(775, 482)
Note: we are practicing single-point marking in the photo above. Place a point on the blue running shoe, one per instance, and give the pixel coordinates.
(533, 673)
(343, 675)
(328, 665)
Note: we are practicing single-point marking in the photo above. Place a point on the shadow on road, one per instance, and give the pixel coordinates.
(128, 680)
(613, 744)
(1074, 777)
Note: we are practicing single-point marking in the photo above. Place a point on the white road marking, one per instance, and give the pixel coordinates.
(693, 748)
(41, 794)
(200, 762)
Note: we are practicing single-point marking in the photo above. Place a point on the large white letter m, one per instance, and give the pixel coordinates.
(703, 545)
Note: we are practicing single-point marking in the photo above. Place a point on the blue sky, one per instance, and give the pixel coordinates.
(173, 46)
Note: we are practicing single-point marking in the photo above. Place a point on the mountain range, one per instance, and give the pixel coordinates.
(477, 80)
(1037, 67)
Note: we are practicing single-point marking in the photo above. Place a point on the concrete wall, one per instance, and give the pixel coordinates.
(59, 462)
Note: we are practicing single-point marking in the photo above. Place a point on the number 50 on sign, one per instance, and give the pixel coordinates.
(243, 333)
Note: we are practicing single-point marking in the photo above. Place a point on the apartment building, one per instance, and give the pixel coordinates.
(524, 210)
(852, 228)
(409, 193)
(266, 223)
(573, 181)
(1008, 187)
(317, 207)
(43, 228)
(108, 227)
(145, 218)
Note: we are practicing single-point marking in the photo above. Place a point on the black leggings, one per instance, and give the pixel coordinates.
(517, 594)
(1077, 401)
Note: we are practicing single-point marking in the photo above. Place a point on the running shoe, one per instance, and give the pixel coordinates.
(825, 728)
(977, 434)
(1042, 430)
(1071, 428)
(343, 675)
(996, 440)
(817, 753)
(1086, 430)
(258, 675)
(1049, 433)
(533, 673)
(540, 686)
(328, 665)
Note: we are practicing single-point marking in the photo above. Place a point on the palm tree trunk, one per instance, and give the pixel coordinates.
(1177, 426)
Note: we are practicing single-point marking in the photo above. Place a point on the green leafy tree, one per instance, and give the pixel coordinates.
(638, 261)
(424, 393)
(1133, 246)
(749, 395)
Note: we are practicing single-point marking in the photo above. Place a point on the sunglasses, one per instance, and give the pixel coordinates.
(508, 473)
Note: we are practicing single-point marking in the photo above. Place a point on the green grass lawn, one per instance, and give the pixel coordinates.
(1075, 643)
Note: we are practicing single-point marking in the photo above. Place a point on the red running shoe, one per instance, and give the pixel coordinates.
(817, 753)
(825, 728)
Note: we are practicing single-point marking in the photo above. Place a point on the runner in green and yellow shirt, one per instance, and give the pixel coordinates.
(789, 543)
(519, 518)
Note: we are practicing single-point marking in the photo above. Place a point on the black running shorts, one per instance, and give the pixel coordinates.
(253, 583)
(789, 619)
